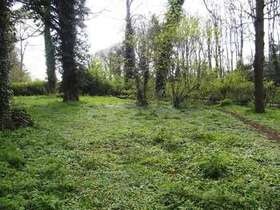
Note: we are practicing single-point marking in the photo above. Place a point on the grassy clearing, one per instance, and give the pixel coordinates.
(105, 153)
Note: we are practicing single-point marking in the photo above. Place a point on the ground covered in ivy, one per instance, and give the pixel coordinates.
(105, 153)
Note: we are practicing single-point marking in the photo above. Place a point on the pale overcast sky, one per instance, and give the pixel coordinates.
(104, 29)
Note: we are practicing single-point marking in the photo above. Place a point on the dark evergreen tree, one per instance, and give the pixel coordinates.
(71, 15)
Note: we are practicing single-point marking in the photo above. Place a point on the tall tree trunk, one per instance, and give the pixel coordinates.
(5, 44)
(217, 47)
(209, 39)
(50, 59)
(259, 57)
(241, 59)
(162, 66)
(67, 32)
(129, 53)
(49, 50)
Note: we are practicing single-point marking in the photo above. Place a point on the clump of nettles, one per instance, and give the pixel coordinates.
(214, 166)
(160, 136)
(20, 118)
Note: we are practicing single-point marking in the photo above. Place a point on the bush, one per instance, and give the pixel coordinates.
(95, 83)
(214, 166)
(234, 86)
(20, 118)
(12, 155)
(30, 88)
(272, 93)
(226, 102)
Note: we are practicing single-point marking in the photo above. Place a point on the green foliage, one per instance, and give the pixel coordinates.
(235, 86)
(160, 136)
(12, 155)
(30, 88)
(214, 166)
(20, 118)
(46, 202)
(272, 93)
(96, 82)
(123, 156)
(17, 75)
(226, 102)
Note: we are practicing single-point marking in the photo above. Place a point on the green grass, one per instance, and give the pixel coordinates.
(105, 153)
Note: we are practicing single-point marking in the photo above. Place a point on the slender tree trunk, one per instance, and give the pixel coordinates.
(209, 51)
(129, 53)
(49, 51)
(259, 57)
(216, 33)
(50, 59)
(67, 27)
(241, 39)
(5, 44)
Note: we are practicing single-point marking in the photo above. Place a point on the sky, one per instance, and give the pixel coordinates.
(105, 27)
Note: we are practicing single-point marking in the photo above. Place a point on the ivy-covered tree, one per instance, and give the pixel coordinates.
(162, 65)
(71, 15)
(129, 51)
(5, 47)
(50, 50)
(43, 13)
(143, 51)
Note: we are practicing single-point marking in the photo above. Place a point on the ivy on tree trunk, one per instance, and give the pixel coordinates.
(68, 37)
(162, 66)
(50, 51)
(5, 44)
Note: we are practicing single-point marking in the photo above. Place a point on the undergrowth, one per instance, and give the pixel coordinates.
(105, 153)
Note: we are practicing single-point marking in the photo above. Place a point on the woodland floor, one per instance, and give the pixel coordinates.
(105, 153)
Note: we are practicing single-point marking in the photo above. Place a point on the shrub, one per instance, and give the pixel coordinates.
(160, 136)
(30, 88)
(272, 93)
(47, 202)
(12, 155)
(226, 102)
(94, 83)
(20, 118)
(214, 166)
(238, 88)
(234, 86)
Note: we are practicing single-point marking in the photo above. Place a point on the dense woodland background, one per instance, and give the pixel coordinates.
(180, 57)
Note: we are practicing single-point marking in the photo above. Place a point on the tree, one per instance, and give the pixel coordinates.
(5, 47)
(259, 57)
(17, 72)
(67, 33)
(49, 48)
(217, 22)
(162, 66)
(63, 23)
(129, 51)
(143, 51)
(43, 14)
(186, 60)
